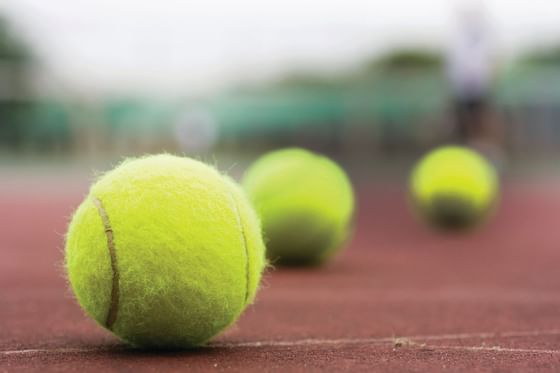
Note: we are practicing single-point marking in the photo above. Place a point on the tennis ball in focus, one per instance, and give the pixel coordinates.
(165, 252)
(454, 187)
(305, 202)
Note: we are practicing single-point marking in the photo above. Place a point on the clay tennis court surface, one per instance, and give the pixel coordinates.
(401, 298)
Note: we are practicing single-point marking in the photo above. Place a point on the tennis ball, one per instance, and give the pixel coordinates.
(305, 202)
(164, 252)
(454, 187)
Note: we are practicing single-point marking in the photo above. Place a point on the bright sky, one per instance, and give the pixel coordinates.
(200, 46)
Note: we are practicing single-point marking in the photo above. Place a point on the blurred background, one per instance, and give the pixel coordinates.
(371, 83)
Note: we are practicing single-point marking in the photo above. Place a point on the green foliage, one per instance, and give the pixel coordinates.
(309, 80)
(407, 58)
(548, 56)
(11, 47)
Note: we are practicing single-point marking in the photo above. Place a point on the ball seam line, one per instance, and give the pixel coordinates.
(114, 305)
(244, 237)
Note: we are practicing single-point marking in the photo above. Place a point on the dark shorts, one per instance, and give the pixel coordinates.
(469, 117)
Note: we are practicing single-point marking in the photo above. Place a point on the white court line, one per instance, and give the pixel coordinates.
(34, 351)
(383, 340)
(415, 341)
(494, 349)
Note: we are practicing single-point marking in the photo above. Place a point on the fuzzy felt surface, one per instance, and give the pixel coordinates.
(454, 186)
(188, 245)
(305, 202)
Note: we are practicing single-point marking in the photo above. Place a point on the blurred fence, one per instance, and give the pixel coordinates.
(529, 101)
(399, 110)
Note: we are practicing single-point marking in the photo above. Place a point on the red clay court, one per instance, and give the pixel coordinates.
(401, 298)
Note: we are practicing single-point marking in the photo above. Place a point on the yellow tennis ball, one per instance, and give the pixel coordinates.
(305, 202)
(164, 252)
(454, 187)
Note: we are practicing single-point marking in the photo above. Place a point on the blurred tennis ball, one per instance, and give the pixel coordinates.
(454, 187)
(165, 252)
(305, 202)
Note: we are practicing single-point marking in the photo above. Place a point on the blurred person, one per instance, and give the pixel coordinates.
(469, 63)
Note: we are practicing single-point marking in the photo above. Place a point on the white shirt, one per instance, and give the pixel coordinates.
(469, 59)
